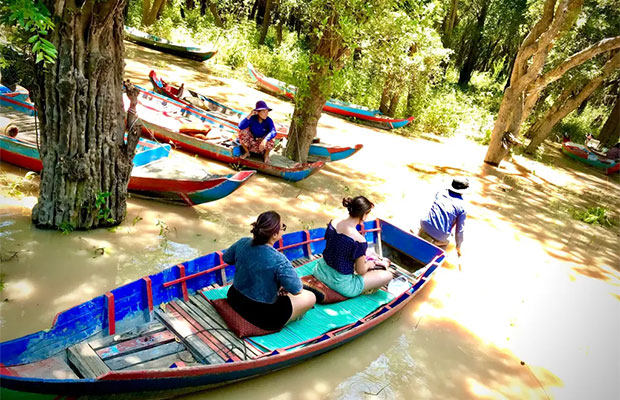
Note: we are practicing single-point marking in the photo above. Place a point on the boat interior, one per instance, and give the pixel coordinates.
(188, 331)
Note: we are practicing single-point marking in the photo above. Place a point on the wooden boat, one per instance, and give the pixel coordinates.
(156, 173)
(226, 117)
(165, 119)
(161, 336)
(372, 117)
(157, 43)
(583, 154)
(18, 100)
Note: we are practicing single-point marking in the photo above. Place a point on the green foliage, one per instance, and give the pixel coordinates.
(2, 277)
(577, 125)
(101, 206)
(594, 216)
(66, 228)
(35, 21)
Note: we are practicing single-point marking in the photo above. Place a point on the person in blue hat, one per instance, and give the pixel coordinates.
(257, 132)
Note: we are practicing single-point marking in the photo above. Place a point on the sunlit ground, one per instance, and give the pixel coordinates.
(532, 310)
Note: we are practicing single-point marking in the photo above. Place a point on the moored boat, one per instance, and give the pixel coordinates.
(161, 335)
(343, 108)
(157, 43)
(582, 154)
(168, 120)
(228, 118)
(156, 174)
(18, 100)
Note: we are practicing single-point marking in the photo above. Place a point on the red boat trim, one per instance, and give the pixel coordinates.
(186, 199)
(307, 242)
(188, 277)
(111, 318)
(8, 99)
(308, 247)
(149, 292)
(7, 371)
(257, 363)
(183, 282)
(223, 270)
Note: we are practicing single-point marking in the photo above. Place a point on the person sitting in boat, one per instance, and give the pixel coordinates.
(262, 275)
(346, 269)
(257, 132)
(614, 152)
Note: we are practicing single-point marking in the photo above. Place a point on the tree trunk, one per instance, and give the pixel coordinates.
(568, 102)
(393, 104)
(149, 14)
(472, 57)
(528, 65)
(279, 28)
(266, 20)
(449, 24)
(610, 133)
(326, 58)
(217, 20)
(86, 161)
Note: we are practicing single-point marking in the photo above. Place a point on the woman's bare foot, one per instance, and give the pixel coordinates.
(266, 160)
(244, 155)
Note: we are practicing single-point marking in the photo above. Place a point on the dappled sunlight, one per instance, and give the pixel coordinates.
(18, 290)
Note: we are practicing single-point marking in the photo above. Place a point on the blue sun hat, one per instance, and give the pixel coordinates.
(261, 105)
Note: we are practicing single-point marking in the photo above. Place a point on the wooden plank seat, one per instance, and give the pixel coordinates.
(149, 346)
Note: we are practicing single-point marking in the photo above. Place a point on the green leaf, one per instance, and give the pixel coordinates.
(33, 39)
(39, 58)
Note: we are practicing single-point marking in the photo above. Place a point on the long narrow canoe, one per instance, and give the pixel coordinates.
(160, 336)
(582, 154)
(228, 118)
(157, 43)
(165, 119)
(372, 117)
(18, 100)
(156, 174)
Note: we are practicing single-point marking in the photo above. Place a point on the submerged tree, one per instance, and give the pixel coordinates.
(528, 80)
(86, 160)
(336, 27)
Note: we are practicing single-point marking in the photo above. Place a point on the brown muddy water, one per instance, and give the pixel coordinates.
(535, 285)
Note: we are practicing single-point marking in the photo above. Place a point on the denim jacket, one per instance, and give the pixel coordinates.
(261, 270)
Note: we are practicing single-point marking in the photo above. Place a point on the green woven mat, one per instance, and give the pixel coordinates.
(320, 319)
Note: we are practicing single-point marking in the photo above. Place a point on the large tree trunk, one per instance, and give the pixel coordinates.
(216, 15)
(566, 103)
(449, 24)
(472, 56)
(528, 65)
(150, 9)
(326, 58)
(86, 161)
(266, 21)
(610, 133)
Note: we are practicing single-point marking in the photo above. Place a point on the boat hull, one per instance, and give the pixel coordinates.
(582, 154)
(170, 190)
(16, 100)
(316, 152)
(155, 43)
(372, 117)
(148, 293)
(153, 120)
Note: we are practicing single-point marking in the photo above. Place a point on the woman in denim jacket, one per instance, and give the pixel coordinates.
(261, 273)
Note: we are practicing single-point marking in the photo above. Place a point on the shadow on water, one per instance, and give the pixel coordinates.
(408, 356)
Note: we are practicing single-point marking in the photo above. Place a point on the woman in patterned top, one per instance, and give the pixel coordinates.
(344, 267)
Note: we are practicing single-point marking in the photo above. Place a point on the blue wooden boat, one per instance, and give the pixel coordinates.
(157, 43)
(343, 108)
(156, 174)
(225, 117)
(18, 100)
(160, 335)
(167, 120)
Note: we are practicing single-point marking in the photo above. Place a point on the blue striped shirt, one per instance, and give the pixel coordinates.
(265, 129)
(447, 211)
